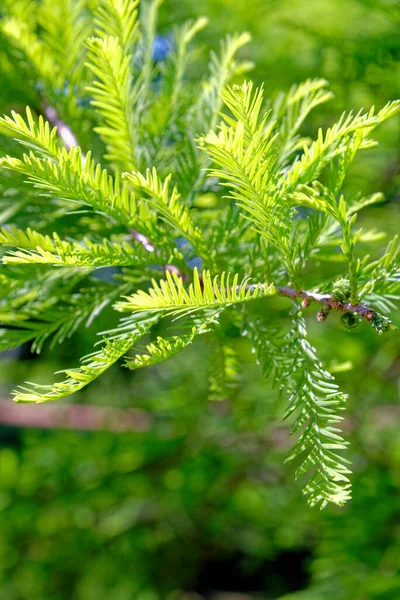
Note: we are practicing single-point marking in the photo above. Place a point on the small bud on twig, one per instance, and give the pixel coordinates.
(322, 315)
(305, 303)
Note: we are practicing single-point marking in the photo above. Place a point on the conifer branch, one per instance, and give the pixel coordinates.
(283, 210)
(366, 312)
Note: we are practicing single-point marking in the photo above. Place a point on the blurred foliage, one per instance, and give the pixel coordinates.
(354, 44)
(200, 500)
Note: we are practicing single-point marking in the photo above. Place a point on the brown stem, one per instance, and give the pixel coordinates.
(144, 240)
(329, 301)
(64, 131)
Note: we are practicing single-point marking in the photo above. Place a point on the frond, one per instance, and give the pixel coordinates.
(245, 157)
(82, 181)
(36, 304)
(35, 135)
(92, 366)
(170, 295)
(223, 68)
(245, 105)
(28, 239)
(164, 348)
(24, 288)
(333, 142)
(13, 338)
(119, 19)
(57, 319)
(291, 109)
(39, 249)
(316, 401)
(158, 351)
(113, 98)
(359, 203)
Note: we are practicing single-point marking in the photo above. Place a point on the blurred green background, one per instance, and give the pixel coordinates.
(195, 502)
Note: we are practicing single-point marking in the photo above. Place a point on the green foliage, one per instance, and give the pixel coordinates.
(144, 513)
(204, 293)
(93, 365)
(169, 206)
(144, 211)
(316, 401)
(113, 98)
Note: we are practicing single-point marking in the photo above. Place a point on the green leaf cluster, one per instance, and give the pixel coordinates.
(143, 193)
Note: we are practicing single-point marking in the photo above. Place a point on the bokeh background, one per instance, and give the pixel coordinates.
(191, 500)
